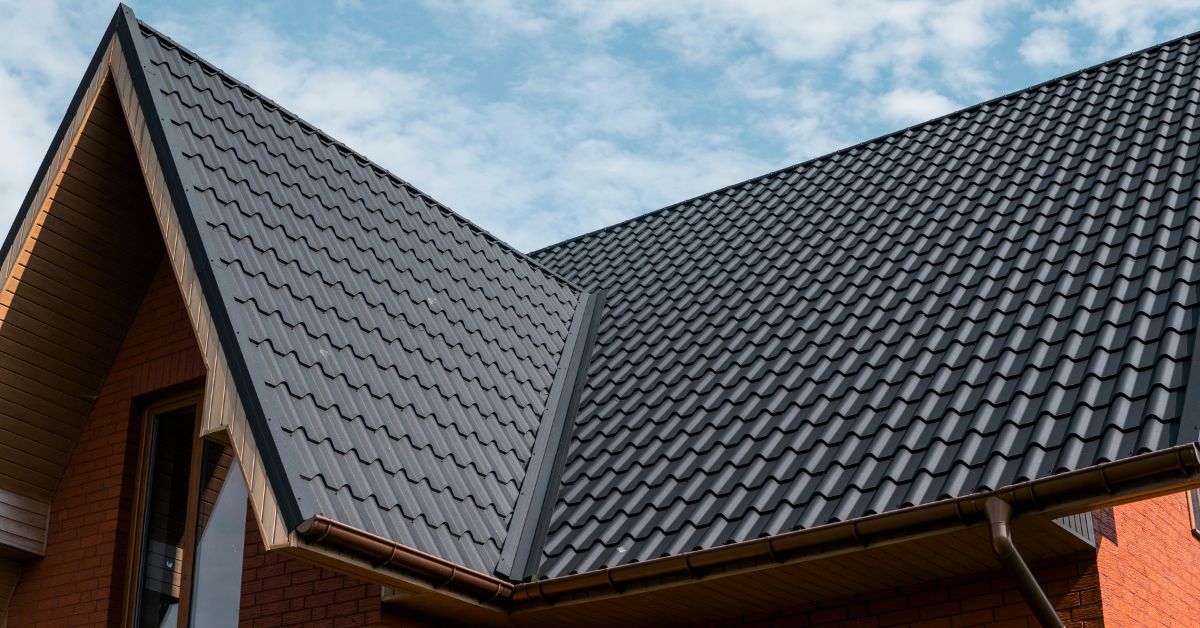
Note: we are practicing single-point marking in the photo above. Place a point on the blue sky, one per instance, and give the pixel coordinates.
(540, 121)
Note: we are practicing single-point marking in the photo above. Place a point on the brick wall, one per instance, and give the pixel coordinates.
(1149, 563)
(80, 582)
(983, 599)
(282, 591)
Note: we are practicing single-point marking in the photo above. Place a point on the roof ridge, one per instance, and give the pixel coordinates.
(880, 138)
(327, 138)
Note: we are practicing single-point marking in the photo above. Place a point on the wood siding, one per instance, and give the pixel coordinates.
(73, 279)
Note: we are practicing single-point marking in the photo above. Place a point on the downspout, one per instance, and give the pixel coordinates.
(999, 514)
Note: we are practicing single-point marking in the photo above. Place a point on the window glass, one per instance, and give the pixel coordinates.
(220, 535)
(165, 517)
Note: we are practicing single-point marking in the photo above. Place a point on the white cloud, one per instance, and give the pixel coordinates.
(603, 109)
(1117, 26)
(871, 35)
(576, 145)
(1047, 46)
(914, 105)
(44, 50)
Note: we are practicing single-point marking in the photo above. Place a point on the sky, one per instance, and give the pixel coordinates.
(544, 120)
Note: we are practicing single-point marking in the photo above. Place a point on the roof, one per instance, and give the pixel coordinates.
(1007, 293)
(1001, 294)
(399, 357)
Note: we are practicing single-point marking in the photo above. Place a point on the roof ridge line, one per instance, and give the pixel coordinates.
(350, 152)
(846, 149)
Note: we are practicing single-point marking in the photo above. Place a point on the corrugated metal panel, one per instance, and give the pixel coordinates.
(1001, 294)
(402, 357)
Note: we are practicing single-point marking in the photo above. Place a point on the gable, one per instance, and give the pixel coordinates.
(77, 271)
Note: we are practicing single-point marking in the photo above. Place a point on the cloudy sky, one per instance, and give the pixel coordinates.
(544, 120)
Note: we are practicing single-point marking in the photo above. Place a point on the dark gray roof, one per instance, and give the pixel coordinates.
(1001, 294)
(399, 356)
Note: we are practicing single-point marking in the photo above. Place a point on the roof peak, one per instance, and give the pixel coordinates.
(341, 147)
(880, 138)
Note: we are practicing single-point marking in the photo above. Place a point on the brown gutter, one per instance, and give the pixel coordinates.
(1056, 495)
(439, 573)
(999, 516)
(1076, 491)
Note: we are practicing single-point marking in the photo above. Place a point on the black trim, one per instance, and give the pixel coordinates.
(264, 439)
(539, 488)
(60, 135)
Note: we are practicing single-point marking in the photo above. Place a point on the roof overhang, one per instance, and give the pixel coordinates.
(890, 544)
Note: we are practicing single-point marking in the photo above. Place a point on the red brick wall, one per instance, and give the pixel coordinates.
(282, 591)
(80, 582)
(982, 599)
(1149, 563)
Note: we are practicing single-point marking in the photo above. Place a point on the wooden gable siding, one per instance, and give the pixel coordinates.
(73, 286)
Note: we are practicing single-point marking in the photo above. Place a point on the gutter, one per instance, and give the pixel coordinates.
(999, 516)
(1104, 484)
(439, 573)
(1061, 494)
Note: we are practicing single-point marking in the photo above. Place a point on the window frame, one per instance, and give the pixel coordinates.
(133, 573)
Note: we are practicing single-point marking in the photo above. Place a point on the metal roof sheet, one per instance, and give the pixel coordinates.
(402, 356)
(1001, 294)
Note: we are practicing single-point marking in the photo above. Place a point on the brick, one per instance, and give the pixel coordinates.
(86, 544)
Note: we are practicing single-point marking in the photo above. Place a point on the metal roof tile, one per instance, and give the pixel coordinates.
(997, 295)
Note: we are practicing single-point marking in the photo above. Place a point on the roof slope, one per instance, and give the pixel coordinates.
(400, 357)
(1001, 294)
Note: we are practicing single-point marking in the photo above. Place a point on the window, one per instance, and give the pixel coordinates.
(190, 525)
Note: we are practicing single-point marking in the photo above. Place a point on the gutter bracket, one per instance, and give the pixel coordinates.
(999, 516)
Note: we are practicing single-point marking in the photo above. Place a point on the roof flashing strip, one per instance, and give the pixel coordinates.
(531, 514)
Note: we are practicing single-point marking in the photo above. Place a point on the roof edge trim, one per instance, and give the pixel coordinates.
(1105, 484)
(131, 46)
(531, 513)
(879, 138)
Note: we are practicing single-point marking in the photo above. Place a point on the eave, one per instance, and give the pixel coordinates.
(1104, 485)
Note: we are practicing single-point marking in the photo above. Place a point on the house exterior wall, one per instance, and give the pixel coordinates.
(80, 582)
(1149, 563)
(987, 598)
(278, 590)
